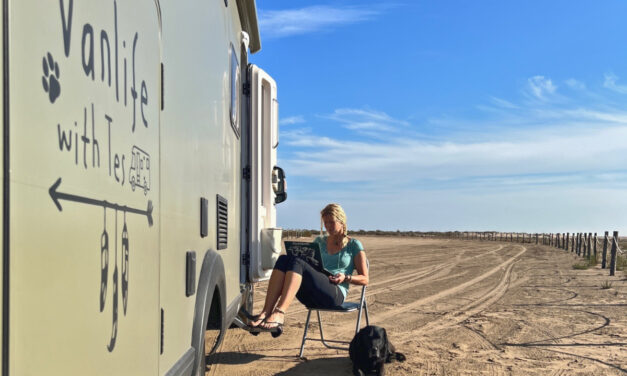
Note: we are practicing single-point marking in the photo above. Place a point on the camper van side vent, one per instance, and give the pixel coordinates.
(222, 206)
(204, 217)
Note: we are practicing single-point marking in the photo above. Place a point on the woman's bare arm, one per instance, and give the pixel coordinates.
(361, 278)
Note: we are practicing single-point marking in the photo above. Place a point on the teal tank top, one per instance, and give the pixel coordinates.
(341, 262)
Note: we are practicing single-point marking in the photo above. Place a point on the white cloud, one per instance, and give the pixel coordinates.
(368, 122)
(610, 83)
(541, 87)
(292, 120)
(282, 23)
(530, 165)
(502, 103)
(570, 141)
(575, 84)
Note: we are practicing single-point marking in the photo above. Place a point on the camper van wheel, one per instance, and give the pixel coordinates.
(213, 331)
(254, 333)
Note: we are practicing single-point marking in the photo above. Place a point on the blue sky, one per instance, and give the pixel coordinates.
(451, 115)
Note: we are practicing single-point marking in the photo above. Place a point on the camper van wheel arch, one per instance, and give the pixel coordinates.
(210, 310)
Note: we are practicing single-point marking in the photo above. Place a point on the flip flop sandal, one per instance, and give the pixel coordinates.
(276, 327)
(252, 318)
(275, 330)
(255, 318)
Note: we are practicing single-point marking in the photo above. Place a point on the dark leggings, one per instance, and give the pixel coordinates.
(315, 290)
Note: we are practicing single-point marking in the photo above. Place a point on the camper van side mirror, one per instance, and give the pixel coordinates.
(279, 185)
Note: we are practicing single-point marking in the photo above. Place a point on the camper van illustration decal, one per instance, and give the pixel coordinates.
(139, 173)
(104, 251)
(50, 79)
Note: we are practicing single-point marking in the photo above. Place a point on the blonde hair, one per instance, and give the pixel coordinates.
(335, 211)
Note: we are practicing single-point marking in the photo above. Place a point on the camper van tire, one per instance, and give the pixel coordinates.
(210, 310)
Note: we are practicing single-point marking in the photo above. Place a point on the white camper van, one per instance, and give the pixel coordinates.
(139, 183)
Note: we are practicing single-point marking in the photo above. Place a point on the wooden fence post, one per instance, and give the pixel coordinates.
(572, 243)
(582, 244)
(584, 240)
(603, 263)
(613, 254)
(589, 245)
(579, 244)
(567, 240)
(595, 246)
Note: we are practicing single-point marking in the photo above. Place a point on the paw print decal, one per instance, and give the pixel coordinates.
(50, 79)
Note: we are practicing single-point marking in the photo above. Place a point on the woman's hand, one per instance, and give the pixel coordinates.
(337, 278)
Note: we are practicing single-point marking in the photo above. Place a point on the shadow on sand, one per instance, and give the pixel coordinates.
(231, 357)
(321, 366)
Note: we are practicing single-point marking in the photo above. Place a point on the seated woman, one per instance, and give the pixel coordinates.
(294, 277)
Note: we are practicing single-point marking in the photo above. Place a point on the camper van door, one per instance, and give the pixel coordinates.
(265, 243)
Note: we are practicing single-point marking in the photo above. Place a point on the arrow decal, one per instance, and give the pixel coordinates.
(56, 196)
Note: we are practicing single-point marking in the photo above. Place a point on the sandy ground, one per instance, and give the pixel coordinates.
(460, 308)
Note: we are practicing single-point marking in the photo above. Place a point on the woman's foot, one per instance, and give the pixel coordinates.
(258, 319)
(274, 321)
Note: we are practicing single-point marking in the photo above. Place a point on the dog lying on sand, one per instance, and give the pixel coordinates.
(370, 349)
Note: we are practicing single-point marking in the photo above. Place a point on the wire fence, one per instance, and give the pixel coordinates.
(582, 244)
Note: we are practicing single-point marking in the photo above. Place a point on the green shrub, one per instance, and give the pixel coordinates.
(581, 266)
(592, 261)
(621, 262)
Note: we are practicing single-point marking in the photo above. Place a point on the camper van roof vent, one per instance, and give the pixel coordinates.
(222, 206)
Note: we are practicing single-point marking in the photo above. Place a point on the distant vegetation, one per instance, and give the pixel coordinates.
(431, 234)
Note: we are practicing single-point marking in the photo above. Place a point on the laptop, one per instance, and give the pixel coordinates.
(310, 252)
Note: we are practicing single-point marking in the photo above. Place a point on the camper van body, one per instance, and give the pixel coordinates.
(138, 157)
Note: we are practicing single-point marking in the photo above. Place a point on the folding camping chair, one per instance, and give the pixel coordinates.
(346, 307)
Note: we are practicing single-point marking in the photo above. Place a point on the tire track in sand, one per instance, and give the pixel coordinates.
(472, 308)
(407, 280)
(402, 309)
(411, 278)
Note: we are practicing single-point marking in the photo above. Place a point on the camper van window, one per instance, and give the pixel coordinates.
(275, 123)
(235, 92)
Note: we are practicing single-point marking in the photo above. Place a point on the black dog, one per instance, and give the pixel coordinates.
(370, 349)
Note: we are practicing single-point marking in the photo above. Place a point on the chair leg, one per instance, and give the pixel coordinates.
(321, 331)
(302, 346)
(358, 320)
(367, 319)
(325, 341)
